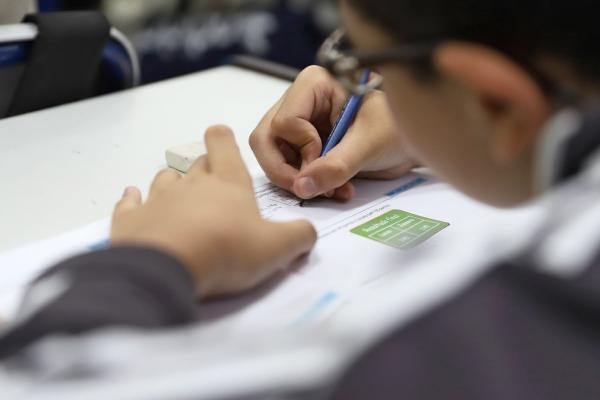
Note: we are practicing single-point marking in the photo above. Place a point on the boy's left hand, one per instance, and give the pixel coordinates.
(210, 221)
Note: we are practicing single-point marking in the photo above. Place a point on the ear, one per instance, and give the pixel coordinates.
(515, 104)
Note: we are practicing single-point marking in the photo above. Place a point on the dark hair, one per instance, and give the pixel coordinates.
(522, 29)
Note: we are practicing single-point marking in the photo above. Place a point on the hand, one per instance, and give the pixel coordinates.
(210, 221)
(288, 140)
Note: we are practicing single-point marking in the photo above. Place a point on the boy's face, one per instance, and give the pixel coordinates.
(446, 127)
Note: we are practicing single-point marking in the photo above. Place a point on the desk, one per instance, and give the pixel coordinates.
(81, 156)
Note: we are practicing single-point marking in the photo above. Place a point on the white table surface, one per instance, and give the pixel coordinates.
(66, 167)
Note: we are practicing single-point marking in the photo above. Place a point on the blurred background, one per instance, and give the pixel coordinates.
(176, 37)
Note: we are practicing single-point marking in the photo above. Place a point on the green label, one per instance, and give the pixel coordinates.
(400, 229)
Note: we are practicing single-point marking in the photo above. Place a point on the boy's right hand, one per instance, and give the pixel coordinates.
(288, 140)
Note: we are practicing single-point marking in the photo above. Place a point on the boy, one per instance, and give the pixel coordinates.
(497, 98)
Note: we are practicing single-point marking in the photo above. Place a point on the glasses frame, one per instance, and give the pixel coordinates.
(344, 65)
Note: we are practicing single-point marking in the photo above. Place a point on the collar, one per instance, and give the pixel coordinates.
(568, 143)
(549, 155)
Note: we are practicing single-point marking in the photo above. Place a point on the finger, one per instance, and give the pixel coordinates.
(301, 134)
(290, 154)
(323, 176)
(288, 241)
(315, 96)
(163, 180)
(131, 199)
(270, 156)
(336, 168)
(224, 158)
(199, 167)
(344, 193)
(307, 107)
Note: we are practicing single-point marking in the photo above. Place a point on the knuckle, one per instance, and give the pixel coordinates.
(167, 173)
(339, 169)
(201, 161)
(218, 131)
(313, 72)
(254, 140)
(280, 123)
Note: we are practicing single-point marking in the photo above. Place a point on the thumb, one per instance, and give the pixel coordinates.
(289, 240)
(335, 169)
(323, 175)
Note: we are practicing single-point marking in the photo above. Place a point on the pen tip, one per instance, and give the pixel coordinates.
(302, 203)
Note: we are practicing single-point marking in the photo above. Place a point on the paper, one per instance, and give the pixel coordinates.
(317, 285)
(20, 266)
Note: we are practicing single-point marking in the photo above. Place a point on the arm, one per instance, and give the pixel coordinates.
(129, 286)
(198, 234)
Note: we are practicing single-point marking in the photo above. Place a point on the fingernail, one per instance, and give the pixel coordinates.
(128, 190)
(306, 187)
(330, 193)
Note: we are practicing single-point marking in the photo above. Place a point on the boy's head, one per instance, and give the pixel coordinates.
(478, 117)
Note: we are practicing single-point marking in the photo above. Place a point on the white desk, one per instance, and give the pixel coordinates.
(81, 156)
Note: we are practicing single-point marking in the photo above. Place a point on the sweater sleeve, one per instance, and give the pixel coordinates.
(120, 286)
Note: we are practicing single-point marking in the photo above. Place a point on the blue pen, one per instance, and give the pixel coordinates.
(341, 126)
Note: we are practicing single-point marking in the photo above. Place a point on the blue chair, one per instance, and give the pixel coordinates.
(119, 69)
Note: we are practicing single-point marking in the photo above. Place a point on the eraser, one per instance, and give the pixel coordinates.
(182, 157)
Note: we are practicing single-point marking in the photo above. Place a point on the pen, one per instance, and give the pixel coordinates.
(341, 126)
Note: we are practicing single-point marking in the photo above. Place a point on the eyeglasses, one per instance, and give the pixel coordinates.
(346, 64)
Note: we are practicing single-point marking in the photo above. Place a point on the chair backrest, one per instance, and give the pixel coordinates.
(119, 69)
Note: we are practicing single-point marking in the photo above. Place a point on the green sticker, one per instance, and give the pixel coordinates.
(400, 229)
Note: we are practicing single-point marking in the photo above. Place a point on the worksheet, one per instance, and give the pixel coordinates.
(359, 242)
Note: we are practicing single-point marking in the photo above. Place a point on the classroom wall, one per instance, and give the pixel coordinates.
(13, 11)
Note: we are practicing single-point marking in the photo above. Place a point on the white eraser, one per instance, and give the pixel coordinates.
(182, 157)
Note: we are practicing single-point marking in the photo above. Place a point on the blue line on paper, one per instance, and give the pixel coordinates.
(406, 187)
(319, 306)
